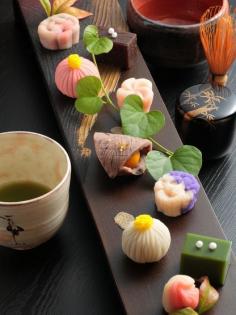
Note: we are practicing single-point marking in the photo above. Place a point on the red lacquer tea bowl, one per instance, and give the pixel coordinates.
(168, 30)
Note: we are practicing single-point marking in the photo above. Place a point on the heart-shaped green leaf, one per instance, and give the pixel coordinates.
(46, 6)
(158, 164)
(89, 105)
(208, 296)
(94, 43)
(88, 101)
(137, 123)
(90, 34)
(188, 159)
(184, 311)
(88, 86)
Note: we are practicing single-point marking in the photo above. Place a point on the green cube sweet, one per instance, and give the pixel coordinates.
(205, 256)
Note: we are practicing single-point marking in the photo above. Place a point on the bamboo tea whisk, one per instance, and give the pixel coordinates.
(206, 112)
(219, 43)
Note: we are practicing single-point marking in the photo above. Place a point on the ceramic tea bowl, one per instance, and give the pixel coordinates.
(31, 157)
(168, 30)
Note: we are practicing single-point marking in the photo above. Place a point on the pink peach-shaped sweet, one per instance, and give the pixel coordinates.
(140, 87)
(70, 70)
(180, 292)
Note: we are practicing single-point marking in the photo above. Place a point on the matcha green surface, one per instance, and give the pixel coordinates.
(198, 262)
(21, 191)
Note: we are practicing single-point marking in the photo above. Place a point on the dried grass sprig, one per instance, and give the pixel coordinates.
(218, 38)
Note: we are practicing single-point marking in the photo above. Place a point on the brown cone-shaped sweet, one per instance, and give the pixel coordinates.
(114, 150)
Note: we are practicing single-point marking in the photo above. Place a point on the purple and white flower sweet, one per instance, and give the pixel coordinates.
(176, 193)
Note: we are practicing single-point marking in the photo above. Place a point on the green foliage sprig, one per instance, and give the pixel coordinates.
(135, 122)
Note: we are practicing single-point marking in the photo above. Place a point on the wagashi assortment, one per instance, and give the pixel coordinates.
(204, 260)
(144, 239)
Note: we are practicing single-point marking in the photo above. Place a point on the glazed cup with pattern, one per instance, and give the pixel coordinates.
(31, 157)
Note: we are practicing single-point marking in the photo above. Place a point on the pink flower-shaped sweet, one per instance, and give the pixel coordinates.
(180, 292)
(70, 70)
(140, 87)
(60, 31)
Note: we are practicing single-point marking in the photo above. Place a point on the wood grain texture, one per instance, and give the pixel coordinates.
(59, 277)
(140, 287)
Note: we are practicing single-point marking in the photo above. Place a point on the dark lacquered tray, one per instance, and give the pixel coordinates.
(140, 286)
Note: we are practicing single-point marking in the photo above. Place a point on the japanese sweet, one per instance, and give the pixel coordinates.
(176, 193)
(124, 51)
(182, 296)
(204, 255)
(120, 154)
(180, 292)
(146, 239)
(70, 70)
(140, 87)
(60, 31)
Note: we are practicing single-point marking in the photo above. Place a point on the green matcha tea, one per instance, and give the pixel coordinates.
(21, 191)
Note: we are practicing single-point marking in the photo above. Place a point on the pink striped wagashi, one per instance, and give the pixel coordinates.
(180, 292)
(60, 31)
(70, 70)
(140, 87)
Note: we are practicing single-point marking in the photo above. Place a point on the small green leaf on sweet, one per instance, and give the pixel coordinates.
(185, 311)
(188, 159)
(89, 105)
(46, 6)
(94, 43)
(158, 164)
(208, 296)
(88, 86)
(137, 123)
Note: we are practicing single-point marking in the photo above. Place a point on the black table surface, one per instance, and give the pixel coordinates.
(69, 274)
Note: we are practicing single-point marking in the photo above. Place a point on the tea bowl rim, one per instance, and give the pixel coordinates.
(57, 187)
(225, 7)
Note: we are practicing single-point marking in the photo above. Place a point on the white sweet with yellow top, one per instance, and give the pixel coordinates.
(146, 239)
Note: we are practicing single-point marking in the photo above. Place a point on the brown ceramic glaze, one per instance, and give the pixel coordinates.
(168, 30)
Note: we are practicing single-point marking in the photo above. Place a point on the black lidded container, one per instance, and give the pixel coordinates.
(205, 117)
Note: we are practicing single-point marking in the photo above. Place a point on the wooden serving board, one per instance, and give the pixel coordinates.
(140, 286)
